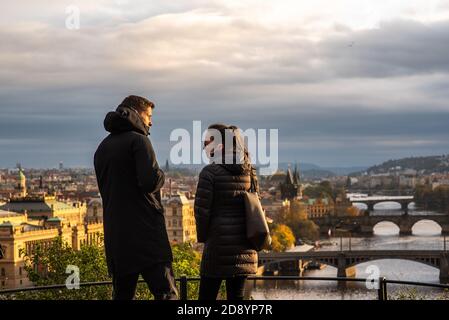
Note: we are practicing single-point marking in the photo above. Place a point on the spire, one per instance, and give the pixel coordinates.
(167, 166)
(296, 177)
(289, 176)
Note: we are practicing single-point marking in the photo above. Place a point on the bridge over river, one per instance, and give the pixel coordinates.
(365, 224)
(345, 261)
(371, 201)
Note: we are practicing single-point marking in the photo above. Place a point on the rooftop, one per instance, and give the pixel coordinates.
(36, 204)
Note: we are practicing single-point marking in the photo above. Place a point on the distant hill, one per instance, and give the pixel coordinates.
(310, 170)
(344, 171)
(303, 166)
(317, 174)
(424, 165)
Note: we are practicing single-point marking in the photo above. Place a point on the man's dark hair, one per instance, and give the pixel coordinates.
(140, 104)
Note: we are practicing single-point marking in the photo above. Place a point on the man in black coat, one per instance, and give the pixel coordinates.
(129, 179)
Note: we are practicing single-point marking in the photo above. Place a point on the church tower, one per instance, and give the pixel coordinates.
(22, 186)
(291, 188)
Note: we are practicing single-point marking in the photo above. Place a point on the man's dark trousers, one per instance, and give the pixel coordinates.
(159, 278)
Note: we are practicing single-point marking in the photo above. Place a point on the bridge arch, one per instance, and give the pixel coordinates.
(345, 261)
(370, 204)
(384, 223)
(382, 203)
(355, 261)
(430, 224)
(375, 206)
(433, 262)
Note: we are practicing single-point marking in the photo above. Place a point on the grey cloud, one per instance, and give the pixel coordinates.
(334, 104)
(395, 49)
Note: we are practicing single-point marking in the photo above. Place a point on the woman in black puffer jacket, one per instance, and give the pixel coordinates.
(220, 215)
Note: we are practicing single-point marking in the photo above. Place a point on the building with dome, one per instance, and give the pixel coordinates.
(27, 221)
(20, 233)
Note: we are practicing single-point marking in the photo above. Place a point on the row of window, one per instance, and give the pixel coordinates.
(92, 238)
(318, 210)
(187, 233)
(30, 246)
(176, 222)
(174, 211)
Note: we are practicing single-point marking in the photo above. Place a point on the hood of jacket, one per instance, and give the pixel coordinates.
(125, 119)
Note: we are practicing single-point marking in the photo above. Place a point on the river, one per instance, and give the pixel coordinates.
(425, 235)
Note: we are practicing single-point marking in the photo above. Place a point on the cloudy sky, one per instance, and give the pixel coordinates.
(346, 82)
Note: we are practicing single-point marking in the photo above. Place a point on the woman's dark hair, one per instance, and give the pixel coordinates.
(238, 144)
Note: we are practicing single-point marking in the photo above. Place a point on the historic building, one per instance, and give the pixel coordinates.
(95, 210)
(179, 218)
(30, 220)
(22, 186)
(291, 188)
(273, 207)
(319, 207)
(41, 207)
(14, 185)
(20, 233)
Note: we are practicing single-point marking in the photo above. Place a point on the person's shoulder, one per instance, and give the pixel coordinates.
(136, 135)
(138, 138)
(210, 169)
(106, 140)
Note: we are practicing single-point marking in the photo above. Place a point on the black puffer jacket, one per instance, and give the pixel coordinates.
(130, 180)
(220, 221)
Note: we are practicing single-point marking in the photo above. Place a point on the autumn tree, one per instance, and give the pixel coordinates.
(352, 211)
(295, 217)
(282, 238)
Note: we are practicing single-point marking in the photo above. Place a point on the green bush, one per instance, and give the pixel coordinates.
(47, 266)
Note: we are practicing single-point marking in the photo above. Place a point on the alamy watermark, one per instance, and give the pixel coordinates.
(258, 146)
(72, 21)
(372, 280)
(73, 280)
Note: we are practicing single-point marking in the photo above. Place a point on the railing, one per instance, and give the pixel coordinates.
(183, 281)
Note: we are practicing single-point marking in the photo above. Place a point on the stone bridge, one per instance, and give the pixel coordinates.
(370, 202)
(345, 261)
(365, 224)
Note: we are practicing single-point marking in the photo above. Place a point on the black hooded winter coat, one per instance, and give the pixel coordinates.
(130, 180)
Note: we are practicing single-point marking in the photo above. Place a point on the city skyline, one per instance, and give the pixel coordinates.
(353, 83)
